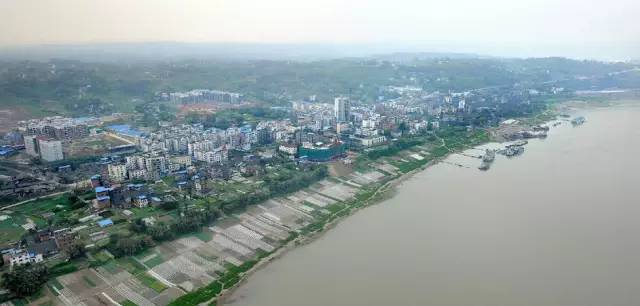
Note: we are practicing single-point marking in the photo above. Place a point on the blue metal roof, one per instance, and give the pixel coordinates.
(105, 222)
(102, 189)
(5, 152)
(125, 129)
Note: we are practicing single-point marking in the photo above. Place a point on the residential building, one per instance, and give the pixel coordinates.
(342, 109)
(31, 145)
(289, 149)
(373, 141)
(321, 151)
(117, 173)
(50, 150)
(21, 257)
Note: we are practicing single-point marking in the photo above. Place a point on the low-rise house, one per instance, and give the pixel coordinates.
(64, 237)
(127, 213)
(20, 257)
(47, 242)
(102, 202)
(141, 201)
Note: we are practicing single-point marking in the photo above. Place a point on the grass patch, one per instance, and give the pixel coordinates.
(102, 256)
(154, 261)
(205, 236)
(20, 302)
(111, 266)
(131, 265)
(334, 208)
(313, 227)
(231, 281)
(89, 282)
(62, 268)
(99, 259)
(128, 303)
(151, 282)
(199, 296)
(54, 283)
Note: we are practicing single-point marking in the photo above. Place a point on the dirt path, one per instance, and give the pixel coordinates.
(34, 199)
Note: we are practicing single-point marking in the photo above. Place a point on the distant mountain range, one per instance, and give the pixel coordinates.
(172, 51)
(118, 52)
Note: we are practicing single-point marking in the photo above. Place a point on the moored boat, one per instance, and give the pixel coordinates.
(578, 120)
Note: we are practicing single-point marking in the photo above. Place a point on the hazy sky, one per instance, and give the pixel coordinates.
(579, 28)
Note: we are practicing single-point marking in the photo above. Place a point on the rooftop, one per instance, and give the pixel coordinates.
(105, 222)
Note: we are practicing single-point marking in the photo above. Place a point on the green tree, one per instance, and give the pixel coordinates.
(25, 280)
(75, 250)
(403, 127)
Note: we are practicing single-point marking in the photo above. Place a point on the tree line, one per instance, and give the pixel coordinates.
(146, 235)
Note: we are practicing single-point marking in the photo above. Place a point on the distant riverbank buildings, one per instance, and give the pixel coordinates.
(203, 96)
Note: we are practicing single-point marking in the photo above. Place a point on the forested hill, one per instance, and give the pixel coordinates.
(74, 87)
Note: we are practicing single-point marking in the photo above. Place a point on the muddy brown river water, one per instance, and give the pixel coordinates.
(557, 226)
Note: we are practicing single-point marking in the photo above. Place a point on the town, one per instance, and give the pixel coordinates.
(104, 193)
(175, 200)
(295, 153)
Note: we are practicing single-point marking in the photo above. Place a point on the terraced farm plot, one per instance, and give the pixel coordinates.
(367, 177)
(388, 168)
(337, 191)
(264, 228)
(193, 261)
(151, 282)
(151, 259)
(204, 236)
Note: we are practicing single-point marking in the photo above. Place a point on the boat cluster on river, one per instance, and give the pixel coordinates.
(516, 147)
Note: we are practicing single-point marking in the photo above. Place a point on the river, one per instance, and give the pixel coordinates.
(557, 226)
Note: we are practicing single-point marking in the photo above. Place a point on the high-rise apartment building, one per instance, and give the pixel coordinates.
(342, 108)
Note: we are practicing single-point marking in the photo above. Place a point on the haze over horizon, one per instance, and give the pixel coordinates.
(592, 29)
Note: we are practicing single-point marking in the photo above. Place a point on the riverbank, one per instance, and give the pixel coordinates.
(385, 190)
(378, 194)
(376, 197)
(517, 234)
